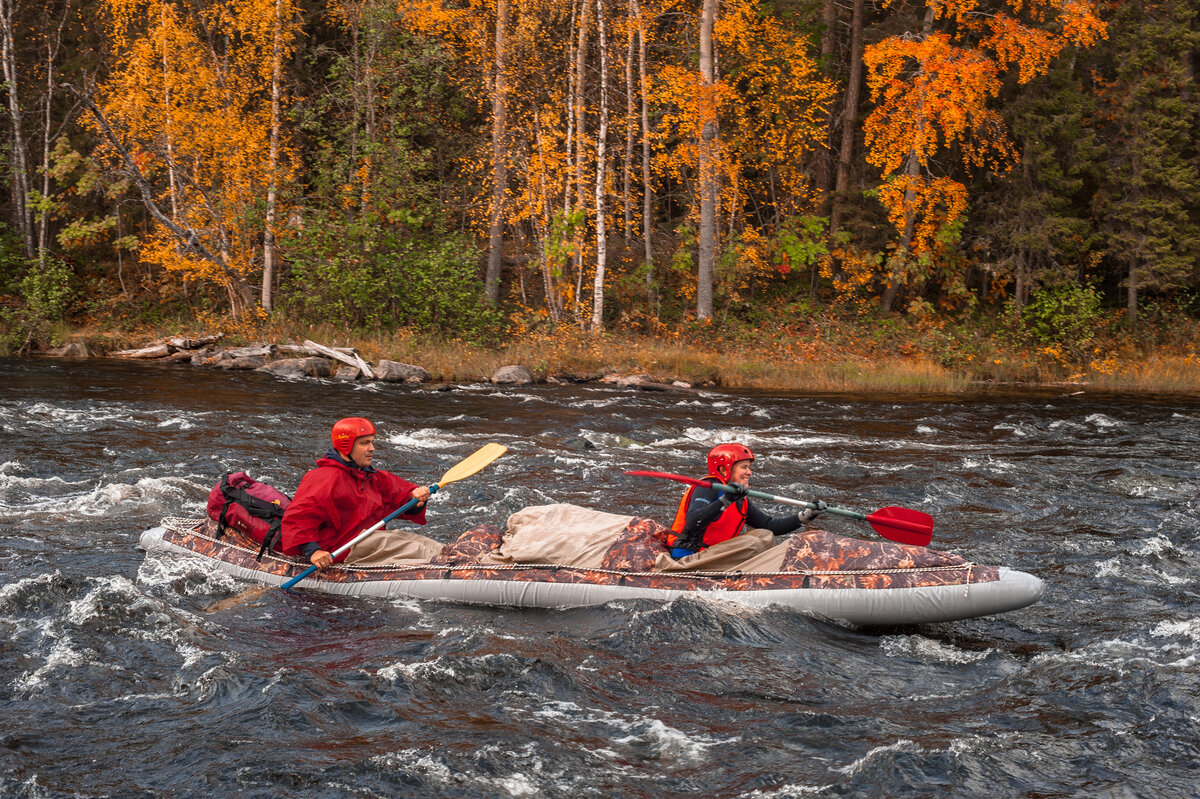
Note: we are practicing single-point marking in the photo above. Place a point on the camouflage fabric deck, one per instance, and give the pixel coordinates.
(814, 560)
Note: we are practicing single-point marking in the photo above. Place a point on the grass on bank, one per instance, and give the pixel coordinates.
(897, 355)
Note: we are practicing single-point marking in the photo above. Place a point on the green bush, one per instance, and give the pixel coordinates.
(12, 260)
(47, 289)
(384, 280)
(1067, 316)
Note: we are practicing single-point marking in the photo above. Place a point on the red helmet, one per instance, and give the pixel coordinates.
(346, 430)
(722, 457)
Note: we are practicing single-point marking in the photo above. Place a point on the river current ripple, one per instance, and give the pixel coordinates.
(117, 679)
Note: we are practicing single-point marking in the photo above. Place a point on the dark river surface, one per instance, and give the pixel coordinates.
(117, 679)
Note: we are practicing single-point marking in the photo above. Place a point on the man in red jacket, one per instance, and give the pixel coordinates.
(345, 495)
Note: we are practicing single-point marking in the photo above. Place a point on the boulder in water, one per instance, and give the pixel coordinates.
(512, 375)
(396, 372)
(297, 367)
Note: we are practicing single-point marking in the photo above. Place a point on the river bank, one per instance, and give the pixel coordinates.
(822, 357)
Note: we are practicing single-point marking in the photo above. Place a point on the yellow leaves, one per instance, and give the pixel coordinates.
(933, 93)
(1030, 49)
(190, 92)
(933, 203)
(930, 94)
(1081, 25)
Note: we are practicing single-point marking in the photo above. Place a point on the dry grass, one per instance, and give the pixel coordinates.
(1156, 374)
(784, 365)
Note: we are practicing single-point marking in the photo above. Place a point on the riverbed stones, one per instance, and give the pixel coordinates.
(396, 372)
(512, 376)
(298, 367)
(74, 349)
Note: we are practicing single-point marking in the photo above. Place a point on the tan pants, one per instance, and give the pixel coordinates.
(724, 556)
(392, 548)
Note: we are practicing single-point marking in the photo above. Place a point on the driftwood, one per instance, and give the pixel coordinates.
(153, 351)
(194, 343)
(348, 357)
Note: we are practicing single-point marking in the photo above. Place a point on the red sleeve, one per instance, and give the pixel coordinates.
(307, 515)
(400, 492)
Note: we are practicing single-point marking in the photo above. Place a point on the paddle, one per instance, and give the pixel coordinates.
(464, 468)
(902, 525)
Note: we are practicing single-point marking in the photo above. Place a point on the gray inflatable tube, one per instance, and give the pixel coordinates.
(860, 606)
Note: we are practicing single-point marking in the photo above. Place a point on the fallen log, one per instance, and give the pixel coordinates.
(340, 355)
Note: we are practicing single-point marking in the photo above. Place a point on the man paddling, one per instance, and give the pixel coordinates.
(708, 517)
(345, 495)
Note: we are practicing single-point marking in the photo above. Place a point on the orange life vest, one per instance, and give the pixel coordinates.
(728, 525)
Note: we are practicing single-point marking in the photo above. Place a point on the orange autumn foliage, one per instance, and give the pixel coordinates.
(197, 121)
(934, 92)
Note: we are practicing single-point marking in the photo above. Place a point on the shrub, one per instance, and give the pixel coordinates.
(1063, 318)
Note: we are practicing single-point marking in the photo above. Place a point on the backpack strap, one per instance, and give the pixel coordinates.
(271, 537)
(225, 489)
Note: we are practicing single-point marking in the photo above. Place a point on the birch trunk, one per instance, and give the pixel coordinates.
(647, 189)
(601, 170)
(272, 165)
(8, 56)
(52, 46)
(580, 122)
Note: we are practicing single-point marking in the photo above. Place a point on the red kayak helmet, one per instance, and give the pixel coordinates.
(722, 457)
(346, 430)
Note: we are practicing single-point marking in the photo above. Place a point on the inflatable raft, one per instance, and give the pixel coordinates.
(820, 574)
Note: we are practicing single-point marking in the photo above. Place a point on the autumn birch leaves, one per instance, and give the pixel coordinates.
(611, 122)
(195, 92)
(585, 173)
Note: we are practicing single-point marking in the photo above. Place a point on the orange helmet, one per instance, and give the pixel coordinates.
(346, 430)
(722, 457)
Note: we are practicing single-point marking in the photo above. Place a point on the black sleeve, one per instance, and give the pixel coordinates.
(307, 548)
(702, 511)
(779, 525)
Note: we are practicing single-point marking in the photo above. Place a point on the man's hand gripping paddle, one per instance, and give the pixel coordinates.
(464, 468)
(903, 525)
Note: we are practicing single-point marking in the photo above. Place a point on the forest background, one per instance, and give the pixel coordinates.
(797, 193)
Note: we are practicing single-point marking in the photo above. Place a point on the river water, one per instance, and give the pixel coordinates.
(117, 679)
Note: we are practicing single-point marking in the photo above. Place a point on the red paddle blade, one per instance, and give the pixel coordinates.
(903, 525)
(679, 478)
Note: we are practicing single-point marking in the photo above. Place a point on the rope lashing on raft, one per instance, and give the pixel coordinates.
(190, 527)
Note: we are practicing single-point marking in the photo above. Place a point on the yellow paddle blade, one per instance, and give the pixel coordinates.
(472, 463)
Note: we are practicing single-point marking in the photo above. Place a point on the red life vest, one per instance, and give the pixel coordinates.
(726, 526)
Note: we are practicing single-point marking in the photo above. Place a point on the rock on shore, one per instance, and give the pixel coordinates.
(313, 360)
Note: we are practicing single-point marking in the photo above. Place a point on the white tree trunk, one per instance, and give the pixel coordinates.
(20, 166)
(601, 175)
(272, 165)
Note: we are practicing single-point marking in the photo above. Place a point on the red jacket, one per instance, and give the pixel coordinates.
(336, 502)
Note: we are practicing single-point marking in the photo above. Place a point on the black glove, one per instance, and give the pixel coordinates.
(808, 514)
(735, 492)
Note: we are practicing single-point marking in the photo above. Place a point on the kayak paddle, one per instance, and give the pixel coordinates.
(464, 468)
(903, 525)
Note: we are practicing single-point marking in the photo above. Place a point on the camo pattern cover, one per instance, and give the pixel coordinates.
(637, 547)
(818, 551)
(470, 546)
(907, 567)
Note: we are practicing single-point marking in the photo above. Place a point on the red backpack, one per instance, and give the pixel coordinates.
(248, 506)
